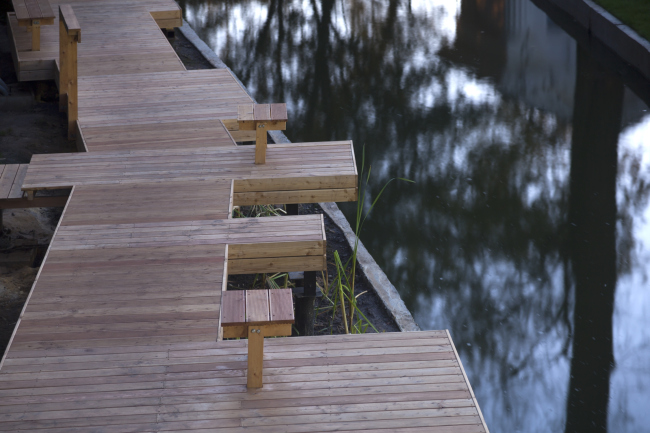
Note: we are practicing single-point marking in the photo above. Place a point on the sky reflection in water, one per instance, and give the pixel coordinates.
(512, 225)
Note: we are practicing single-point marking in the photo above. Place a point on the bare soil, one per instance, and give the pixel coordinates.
(30, 123)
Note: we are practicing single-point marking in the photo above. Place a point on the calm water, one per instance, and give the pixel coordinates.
(527, 233)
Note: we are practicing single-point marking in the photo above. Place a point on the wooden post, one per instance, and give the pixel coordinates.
(260, 143)
(255, 356)
(63, 66)
(73, 109)
(305, 305)
(292, 209)
(69, 37)
(36, 35)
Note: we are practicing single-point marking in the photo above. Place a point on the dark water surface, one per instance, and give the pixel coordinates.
(527, 233)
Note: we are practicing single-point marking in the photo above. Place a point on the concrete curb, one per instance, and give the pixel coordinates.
(621, 39)
(374, 274)
(203, 48)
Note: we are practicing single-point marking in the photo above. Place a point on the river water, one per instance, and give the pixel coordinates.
(527, 230)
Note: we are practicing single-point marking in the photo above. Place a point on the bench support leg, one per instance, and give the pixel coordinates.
(260, 143)
(305, 304)
(36, 35)
(292, 209)
(255, 356)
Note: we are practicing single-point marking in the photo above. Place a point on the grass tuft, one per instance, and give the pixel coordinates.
(634, 13)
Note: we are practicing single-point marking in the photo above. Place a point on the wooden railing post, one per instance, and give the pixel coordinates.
(69, 37)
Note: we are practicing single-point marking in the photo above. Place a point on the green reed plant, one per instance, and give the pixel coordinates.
(340, 292)
(258, 210)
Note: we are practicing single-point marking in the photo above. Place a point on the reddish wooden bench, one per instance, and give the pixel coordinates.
(262, 118)
(255, 314)
(33, 14)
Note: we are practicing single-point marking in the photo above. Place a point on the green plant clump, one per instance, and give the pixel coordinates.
(634, 13)
(340, 291)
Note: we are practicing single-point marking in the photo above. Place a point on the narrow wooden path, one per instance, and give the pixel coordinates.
(121, 331)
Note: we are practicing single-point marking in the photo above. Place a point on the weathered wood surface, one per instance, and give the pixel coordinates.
(120, 331)
(159, 110)
(293, 173)
(389, 382)
(124, 339)
(11, 194)
(119, 37)
(257, 307)
(27, 10)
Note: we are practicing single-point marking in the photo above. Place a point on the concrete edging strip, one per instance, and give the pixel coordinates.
(374, 274)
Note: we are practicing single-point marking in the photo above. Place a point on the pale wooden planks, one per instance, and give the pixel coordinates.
(281, 306)
(135, 44)
(326, 166)
(233, 307)
(120, 334)
(338, 389)
(8, 174)
(150, 136)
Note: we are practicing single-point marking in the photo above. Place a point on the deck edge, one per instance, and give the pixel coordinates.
(31, 291)
(469, 386)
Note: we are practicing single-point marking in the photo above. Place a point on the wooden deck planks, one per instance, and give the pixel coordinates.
(135, 45)
(332, 390)
(119, 331)
(308, 173)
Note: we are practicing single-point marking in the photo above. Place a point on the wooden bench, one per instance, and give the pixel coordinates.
(262, 118)
(255, 314)
(33, 14)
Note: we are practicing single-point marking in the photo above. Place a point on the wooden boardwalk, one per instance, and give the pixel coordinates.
(121, 330)
(119, 37)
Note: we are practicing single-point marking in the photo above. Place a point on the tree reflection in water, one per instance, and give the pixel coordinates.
(504, 238)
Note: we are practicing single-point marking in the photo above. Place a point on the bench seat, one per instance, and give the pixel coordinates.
(255, 314)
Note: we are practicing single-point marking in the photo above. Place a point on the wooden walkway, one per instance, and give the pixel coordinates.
(121, 330)
(119, 37)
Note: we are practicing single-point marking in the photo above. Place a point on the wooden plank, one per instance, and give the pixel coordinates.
(24, 203)
(33, 9)
(299, 196)
(46, 9)
(261, 112)
(16, 192)
(21, 10)
(273, 330)
(7, 180)
(233, 308)
(260, 143)
(257, 306)
(255, 357)
(278, 264)
(245, 112)
(281, 305)
(278, 112)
